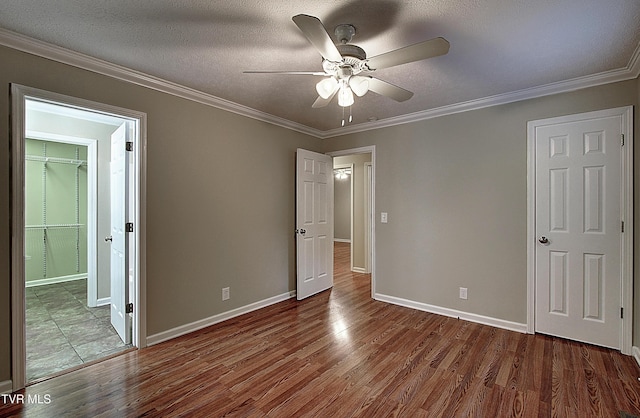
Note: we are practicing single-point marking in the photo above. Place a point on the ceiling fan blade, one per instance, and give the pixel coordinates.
(387, 89)
(315, 32)
(288, 72)
(320, 102)
(411, 53)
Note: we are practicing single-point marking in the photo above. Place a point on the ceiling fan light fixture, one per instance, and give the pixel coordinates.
(359, 85)
(326, 87)
(345, 96)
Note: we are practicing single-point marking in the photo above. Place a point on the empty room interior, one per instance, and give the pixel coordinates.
(359, 208)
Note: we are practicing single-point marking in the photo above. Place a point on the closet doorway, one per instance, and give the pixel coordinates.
(72, 302)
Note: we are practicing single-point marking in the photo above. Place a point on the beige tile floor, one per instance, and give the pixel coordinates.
(62, 332)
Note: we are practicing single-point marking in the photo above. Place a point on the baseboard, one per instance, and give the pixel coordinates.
(348, 241)
(103, 301)
(635, 352)
(359, 270)
(467, 316)
(6, 386)
(212, 320)
(54, 280)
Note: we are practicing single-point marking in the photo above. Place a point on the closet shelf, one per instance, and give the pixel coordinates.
(55, 160)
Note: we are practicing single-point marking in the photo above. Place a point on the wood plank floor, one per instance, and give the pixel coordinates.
(341, 354)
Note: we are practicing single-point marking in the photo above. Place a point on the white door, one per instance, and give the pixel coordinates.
(578, 228)
(314, 222)
(119, 244)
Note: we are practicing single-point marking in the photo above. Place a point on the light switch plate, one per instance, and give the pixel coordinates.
(383, 217)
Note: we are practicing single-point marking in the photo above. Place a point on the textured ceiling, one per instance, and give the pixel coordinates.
(497, 46)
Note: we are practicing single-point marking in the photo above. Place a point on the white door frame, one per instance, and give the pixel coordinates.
(626, 215)
(92, 204)
(19, 94)
(367, 150)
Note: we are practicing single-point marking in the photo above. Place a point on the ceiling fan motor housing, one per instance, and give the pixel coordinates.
(353, 51)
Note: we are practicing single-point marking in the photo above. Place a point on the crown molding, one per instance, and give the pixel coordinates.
(76, 59)
(53, 52)
(631, 71)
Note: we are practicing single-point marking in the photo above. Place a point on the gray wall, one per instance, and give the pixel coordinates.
(455, 190)
(342, 209)
(220, 197)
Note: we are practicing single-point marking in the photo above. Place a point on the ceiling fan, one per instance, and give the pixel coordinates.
(346, 68)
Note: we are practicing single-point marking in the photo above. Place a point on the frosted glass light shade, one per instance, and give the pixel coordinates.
(345, 96)
(359, 85)
(326, 87)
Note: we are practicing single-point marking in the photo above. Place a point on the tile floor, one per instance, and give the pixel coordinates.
(62, 332)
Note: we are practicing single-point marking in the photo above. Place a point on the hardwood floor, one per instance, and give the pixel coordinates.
(342, 354)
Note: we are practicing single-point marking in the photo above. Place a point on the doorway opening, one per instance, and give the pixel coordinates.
(354, 202)
(64, 285)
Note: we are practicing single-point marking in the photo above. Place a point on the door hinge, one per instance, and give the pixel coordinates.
(621, 226)
(129, 146)
(622, 313)
(129, 226)
(622, 140)
(129, 308)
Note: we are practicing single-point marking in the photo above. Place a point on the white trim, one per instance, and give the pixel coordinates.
(53, 52)
(92, 192)
(365, 150)
(45, 50)
(453, 313)
(54, 280)
(368, 216)
(103, 301)
(215, 319)
(359, 270)
(6, 386)
(342, 240)
(19, 95)
(635, 352)
(626, 190)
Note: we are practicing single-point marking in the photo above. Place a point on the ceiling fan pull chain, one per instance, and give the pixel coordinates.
(343, 116)
(350, 116)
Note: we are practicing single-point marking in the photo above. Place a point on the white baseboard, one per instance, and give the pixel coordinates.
(6, 386)
(359, 270)
(212, 320)
(53, 280)
(348, 241)
(635, 352)
(467, 316)
(103, 301)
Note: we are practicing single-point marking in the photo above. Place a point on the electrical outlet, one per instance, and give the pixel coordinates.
(463, 293)
(225, 293)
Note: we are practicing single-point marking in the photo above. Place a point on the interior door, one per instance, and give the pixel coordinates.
(314, 222)
(120, 320)
(578, 227)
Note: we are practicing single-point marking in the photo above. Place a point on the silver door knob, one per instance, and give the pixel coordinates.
(109, 238)
(301, 231)
(543, 240)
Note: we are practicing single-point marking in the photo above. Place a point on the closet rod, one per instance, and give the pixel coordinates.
(55, 226)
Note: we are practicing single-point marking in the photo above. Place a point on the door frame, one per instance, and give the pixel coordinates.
(367, 150)
(19, 94)
(626, 215)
